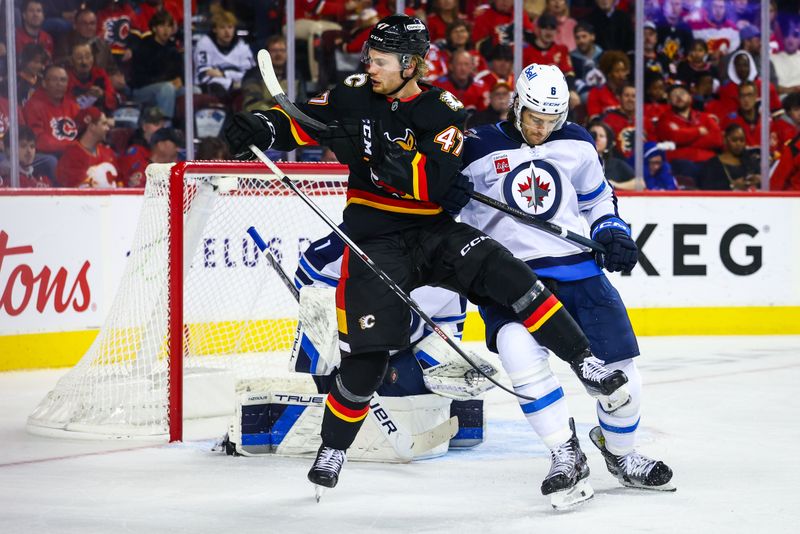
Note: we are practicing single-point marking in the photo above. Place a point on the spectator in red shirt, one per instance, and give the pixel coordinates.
(544, 50)
(89, 84)
(31, 29)
(696, 135)
(461, 82)
(51, 113)
(164, 146)
(88, 162)
(741, 68)
(622, 121)
(85, 31)
(616, 67)
(791, 107)
(29, 176)
(493, 24)
(444, 13)
(565, 29)
(152, 120)
(501, 69)
(458, 38)
(748, 117)
(787, 174)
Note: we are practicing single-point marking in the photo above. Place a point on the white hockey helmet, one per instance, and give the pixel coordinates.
(543, 89)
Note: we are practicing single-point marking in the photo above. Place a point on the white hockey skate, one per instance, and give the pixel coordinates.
(634, 470)
(566, 482)
(325, 471)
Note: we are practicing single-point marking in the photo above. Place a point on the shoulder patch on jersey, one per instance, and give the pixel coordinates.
(451, 101)
(483, 140)
(356, 80)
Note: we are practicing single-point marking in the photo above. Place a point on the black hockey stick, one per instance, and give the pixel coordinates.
(545, 226)
(405, 445)
(377, 270)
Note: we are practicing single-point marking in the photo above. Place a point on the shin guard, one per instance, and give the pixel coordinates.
(549, 323)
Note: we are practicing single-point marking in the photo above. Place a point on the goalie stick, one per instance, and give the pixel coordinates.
(406, 446)
(379, 272)
(275, 89)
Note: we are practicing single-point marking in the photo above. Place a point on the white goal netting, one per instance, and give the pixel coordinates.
(238, 318)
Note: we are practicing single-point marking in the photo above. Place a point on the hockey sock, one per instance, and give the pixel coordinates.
(347, 403)
(549, 323)
(619, 428)
(525, 362)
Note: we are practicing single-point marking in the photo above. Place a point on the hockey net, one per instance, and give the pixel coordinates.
(199, 315)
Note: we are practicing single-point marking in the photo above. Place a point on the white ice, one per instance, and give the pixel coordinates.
(721, 411)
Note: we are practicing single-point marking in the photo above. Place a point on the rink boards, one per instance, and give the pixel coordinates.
(709, 264)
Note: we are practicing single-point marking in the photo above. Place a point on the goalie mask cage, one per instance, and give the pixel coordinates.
(199, 315)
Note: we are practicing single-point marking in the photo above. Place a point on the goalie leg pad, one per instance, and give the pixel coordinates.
(471, 423)
(446, 373)
(316, 344)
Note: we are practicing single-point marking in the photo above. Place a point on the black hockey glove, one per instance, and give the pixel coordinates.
(247, 129)
(457, 195)
(353, 141)
(621, 252)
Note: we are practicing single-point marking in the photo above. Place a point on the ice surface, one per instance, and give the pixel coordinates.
(721, 411)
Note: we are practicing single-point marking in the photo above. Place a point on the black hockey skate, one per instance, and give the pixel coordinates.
(566, 482)
(634, 470)
(325, 471)
(603, 383)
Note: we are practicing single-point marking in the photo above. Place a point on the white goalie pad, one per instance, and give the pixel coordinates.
(448, 374)
(288, 424)
(316, 343)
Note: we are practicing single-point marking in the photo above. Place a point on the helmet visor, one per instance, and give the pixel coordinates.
(387, 61)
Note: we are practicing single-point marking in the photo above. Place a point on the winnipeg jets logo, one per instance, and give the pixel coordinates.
(535, 191)
(533, 187)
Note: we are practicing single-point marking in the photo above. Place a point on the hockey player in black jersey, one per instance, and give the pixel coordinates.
(402, 141)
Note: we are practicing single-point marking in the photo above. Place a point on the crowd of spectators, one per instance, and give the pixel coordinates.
(82, 64)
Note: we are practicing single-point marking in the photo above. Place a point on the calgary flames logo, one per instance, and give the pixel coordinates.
(406, 142)
(63, 128)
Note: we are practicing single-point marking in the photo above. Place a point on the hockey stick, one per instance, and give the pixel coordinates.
(274, 87)
(405, 445)
(378, 272)
(545, 226)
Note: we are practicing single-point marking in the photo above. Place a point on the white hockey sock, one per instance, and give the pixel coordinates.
(619, 428)
(525, 361)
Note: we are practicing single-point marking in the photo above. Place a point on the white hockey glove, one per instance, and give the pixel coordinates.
(450, 375)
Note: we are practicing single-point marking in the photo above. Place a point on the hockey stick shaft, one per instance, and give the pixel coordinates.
(405, 445)
(545, 226)
(275, 89)
(378, 272)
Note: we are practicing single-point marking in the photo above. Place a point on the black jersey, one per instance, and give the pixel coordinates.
(429, 123)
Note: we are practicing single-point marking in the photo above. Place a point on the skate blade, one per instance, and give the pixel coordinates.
(663, 487)
(319, 491)
(579, 493)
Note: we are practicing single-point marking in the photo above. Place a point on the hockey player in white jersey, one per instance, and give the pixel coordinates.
(539, 163)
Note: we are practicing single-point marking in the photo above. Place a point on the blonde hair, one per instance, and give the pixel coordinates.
(421, 68)
(220, 17)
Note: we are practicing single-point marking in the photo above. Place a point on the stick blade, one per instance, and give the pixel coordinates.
(268, 73)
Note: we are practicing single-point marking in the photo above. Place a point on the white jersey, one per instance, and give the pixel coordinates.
(234, 63)
(560, 181)
(321, 264)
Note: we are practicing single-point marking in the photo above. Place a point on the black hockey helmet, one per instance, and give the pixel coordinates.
(399, 34)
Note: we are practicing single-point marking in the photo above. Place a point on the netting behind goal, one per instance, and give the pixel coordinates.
(195, 290)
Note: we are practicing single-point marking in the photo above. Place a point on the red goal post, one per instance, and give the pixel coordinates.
(198, 316)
